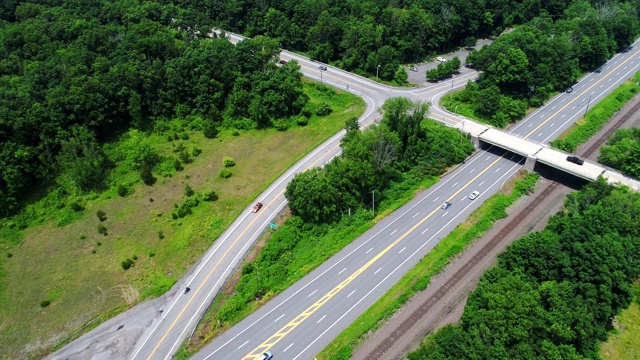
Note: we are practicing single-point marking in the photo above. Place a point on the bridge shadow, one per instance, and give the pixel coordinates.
(552, 174)
(546, 172)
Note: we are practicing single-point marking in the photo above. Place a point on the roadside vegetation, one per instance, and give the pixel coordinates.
(523, 68)
(622, 152)
(554, 293)
(63, 275)
(623, 342)
(596, 118)
(418, 278)
(331, 206)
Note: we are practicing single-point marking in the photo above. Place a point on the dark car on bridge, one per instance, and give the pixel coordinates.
(576, 160)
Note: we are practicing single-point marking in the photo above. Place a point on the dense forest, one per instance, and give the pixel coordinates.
(526, 66)
(622, 152)
(404, 145)
(554, 293)
(74, 75)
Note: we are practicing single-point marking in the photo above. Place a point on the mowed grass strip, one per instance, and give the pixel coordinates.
(62, 280)
(417, 279)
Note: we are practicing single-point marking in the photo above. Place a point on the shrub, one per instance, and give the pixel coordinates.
(281, 124)
(83, 236)
(225, 173)
(160, 235)
(174, 216)
(150, 199)
(228, 162)
(102, 216)
(209, 195)
(323, 109)
(185, 208)
(9, 255)
(188, 190)
(184, 136)
(135, 258)
(152, 254)
(99, 243)
(178, 165)
(45, 303)
(235, 132)
(301, 120)
(102, 229)
(76, 207)
(122, 190)
(185, 157)
(210, 131)
(127, 264)
(93, 251)
(196, 151)
(146, 175)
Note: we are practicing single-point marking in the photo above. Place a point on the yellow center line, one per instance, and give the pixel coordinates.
(225, 254)
(576, 98)
(285, 330)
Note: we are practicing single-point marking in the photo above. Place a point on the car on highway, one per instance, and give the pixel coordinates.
(574, 159)
(322, 67)
(413, 69)
(441, 59)
(445, 206)
(282, 62)
(474, 195)
(257, 207)
(569, 90)
(266, 356)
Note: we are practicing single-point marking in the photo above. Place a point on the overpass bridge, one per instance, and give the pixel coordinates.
(537, 152)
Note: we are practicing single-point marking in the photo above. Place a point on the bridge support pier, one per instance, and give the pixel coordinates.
(530, 163)
(475, 141)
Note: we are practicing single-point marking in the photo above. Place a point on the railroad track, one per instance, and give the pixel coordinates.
(387, 343)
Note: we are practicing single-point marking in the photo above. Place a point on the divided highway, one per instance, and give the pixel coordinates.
(302, 320)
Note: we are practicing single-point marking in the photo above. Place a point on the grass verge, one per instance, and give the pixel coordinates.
(63, 277)
(419, 277)
(597, 116)
(623, 342)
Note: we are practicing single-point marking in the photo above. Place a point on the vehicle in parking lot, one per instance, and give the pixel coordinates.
(474, 195)
(446, 205)
(322, 67)
(413, 69)
(266, 356)
(441, 59)
(574, 159)
(257, 207)
(282, 62)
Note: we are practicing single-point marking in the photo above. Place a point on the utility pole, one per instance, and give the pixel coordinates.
(373, 207)
(587, 109)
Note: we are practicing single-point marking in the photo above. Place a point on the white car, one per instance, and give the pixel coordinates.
(441, 59)
(474, 195)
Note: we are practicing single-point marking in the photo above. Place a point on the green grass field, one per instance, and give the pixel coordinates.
(62, 259)
(623, 342)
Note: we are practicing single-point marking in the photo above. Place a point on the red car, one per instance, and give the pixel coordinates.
(257, 207)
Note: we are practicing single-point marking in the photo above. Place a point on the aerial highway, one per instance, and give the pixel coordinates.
(303, 319)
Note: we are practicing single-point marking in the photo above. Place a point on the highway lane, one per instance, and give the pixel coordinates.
(402, 238)
(310, 305)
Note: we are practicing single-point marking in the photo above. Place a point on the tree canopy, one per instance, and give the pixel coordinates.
(405, 144)
(75, 75)
(554, 293)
